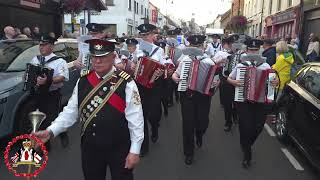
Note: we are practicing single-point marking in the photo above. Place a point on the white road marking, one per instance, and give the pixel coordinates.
(269, 130)
(292, 160)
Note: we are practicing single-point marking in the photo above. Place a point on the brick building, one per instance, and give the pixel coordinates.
(237, 7)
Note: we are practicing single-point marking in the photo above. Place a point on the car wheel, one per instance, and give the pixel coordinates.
(22, 122)
(281, 126)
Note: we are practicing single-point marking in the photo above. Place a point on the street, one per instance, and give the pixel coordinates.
(220, 157)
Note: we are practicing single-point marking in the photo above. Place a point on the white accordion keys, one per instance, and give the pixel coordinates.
(239, 90)
(271, 90)
(183, 84)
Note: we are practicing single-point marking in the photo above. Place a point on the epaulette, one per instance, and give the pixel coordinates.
(85, 73)
(124, 75)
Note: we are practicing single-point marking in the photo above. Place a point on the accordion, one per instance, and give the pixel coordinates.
(127, 66)
(197, 75)
(32, 72)
(257, 86)
(144, 73)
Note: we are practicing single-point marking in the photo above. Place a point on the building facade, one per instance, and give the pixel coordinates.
(253, 10)
(225, 19)
(311, 21)
(282, 18)
(121, 17)
(237, 7)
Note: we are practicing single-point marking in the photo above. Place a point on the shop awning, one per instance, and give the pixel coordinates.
(97, 5)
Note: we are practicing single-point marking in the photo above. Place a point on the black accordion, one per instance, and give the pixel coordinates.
(32, 72)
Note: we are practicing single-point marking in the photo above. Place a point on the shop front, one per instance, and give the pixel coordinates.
(283, 24)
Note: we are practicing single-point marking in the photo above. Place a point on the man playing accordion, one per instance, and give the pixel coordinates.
(195, 106)
(252, 114)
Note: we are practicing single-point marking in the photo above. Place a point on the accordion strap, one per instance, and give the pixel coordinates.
(154, 51)
(46, 62)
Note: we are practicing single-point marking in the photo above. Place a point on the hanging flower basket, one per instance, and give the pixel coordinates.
(238, 24)
(73, 6)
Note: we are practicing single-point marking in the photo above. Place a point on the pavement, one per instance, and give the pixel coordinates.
(218, 159)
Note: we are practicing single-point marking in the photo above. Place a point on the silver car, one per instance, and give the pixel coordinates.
(15, 103)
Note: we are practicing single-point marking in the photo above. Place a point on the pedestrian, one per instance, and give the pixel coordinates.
(110, 111)
(9, 33)
(51, 105)
(283, 64)
(214, 47)
(36, 33)
(313, 48)
(252, 115)
(195, 106)
(269, 51)
(151, 97)
(26, 31)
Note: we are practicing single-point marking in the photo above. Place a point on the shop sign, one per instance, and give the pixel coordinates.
(32, 3)
(284, 17)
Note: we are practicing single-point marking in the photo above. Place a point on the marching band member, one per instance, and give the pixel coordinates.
(49, 102)
(97, 32)
(110, 111)
(195, 107)
(151, 97)
(214, 47)
(252, 115)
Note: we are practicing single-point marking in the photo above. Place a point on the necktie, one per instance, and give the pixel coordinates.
(130, 57)
(42, 61)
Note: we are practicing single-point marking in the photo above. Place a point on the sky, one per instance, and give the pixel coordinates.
(205, 11)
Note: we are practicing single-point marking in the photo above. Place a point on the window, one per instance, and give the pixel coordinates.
(279, 5)
(135, 6)
(311, 81)
(289, 3)
(141, 9)
(129, 5)
(109, 3)
(145, 12)
(270, 7)
(137, 12)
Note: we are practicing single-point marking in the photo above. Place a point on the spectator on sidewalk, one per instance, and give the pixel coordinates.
(283, 64)
(9, 33)
(36, 33)
(26, 31)
(269, 51)
(313, 48)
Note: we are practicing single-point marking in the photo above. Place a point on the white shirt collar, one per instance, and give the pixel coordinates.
(108, 74)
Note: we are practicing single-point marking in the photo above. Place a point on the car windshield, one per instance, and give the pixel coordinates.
(10, 51)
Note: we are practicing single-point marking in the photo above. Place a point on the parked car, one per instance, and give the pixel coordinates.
(298, 116)
(15, 104)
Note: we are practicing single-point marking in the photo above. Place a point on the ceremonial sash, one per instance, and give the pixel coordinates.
(95, 101)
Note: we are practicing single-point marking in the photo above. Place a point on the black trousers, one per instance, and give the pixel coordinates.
(151, 104)
(252, 117)
(96, 160)
(226, 99)
(195, 108)
(49, 103)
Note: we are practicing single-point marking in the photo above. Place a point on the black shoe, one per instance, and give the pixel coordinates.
(246, 164)
(227, 128)
(188, 160)
(64, 139)
(199, 141)
(154, 135)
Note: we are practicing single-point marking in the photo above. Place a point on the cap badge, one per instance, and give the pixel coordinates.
(93, 27)
(253, 43)
(144, 28)
(98, 47)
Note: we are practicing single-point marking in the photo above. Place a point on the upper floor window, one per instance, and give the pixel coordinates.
(109, 2)
(279, 5)
(289, 3)
(129, 5)
(141, 9)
